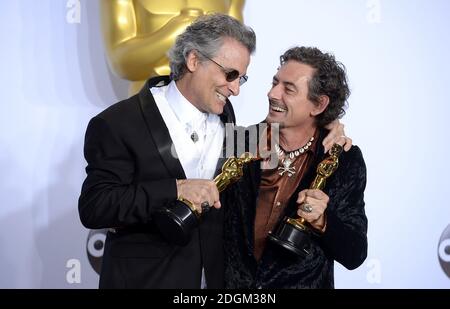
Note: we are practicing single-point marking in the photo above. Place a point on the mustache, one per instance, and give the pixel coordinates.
(273, 102)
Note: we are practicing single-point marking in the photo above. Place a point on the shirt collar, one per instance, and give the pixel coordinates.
(184, 110)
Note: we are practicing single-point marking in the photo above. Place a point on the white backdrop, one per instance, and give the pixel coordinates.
(54, 78)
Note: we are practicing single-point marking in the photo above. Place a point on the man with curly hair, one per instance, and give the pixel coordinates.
(308, 92)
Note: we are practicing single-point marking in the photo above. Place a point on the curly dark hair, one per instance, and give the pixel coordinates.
(329, 79)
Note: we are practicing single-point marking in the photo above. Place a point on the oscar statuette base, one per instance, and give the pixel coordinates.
(292, 238)
(176, 223)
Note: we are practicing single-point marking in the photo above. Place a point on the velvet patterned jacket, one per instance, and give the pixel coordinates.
(344, 240)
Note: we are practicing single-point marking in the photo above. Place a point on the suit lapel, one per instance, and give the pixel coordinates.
(157, 128)
(226, 117)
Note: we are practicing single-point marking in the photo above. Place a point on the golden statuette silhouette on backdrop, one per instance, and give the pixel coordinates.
(138, 33)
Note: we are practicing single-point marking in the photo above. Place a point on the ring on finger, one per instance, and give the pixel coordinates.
(205, 206)
(307, 208)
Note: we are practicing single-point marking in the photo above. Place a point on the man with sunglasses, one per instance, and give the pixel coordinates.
(162, 144)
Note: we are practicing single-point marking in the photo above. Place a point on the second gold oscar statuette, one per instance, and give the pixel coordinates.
(293, 234)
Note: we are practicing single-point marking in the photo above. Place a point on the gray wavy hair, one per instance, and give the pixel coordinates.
(206, 34)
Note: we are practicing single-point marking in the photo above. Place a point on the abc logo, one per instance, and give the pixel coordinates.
(94, 248)
(444, 251)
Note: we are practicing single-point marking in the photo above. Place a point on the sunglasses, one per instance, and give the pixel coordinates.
(230, 74)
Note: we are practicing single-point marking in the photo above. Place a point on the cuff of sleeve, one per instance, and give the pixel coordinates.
(331, 233)
(162, 191)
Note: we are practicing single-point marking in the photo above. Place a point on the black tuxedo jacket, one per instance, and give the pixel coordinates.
(130, 174)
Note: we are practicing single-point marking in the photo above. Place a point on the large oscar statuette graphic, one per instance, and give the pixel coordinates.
(294, 234)
(138, 33)
(177, 221)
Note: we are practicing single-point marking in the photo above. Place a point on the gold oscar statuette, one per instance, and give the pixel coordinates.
(178, 220)
(293, 234)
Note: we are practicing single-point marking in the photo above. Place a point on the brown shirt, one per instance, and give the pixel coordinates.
(274, 194)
